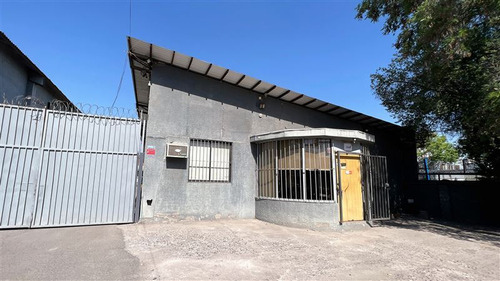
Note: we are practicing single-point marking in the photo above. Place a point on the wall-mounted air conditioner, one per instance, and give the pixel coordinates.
(177, 150)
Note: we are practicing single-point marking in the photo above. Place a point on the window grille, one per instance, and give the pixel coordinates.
(296, 169)
(209, 161)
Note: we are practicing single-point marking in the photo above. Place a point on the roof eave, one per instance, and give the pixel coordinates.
(139, 49)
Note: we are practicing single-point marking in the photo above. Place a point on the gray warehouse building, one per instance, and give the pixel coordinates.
(21, 81)
(221, 144)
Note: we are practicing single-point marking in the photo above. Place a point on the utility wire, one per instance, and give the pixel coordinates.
(126, 57)
(121, 80)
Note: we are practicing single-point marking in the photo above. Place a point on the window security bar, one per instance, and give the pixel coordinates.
(297, 169)
(209, 161)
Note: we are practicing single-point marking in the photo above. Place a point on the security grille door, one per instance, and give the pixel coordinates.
(376, 187)
(64, 168)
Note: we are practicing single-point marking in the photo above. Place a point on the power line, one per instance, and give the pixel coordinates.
(126, 57)
(121, 80)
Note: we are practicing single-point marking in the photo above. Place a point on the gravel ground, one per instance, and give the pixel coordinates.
(252, 249)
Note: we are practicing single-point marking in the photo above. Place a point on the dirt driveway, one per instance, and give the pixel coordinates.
(250, 249)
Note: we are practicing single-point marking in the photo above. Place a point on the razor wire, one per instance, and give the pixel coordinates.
(69, 109)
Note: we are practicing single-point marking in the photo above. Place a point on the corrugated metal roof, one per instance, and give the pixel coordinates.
(142, 54)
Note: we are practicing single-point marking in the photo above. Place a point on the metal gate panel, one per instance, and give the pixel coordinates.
(63, 168)
(20, 131)
(89, 169)
(376, 187)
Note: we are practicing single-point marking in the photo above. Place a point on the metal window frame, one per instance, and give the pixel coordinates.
(211, 143)
(284, 185)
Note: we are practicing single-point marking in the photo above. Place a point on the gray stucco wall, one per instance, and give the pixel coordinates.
(314, 215)
(18, 79)
(42, 93)
(186, 105)
(13, 77)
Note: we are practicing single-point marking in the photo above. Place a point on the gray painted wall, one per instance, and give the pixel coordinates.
(42, 93)
(314, 215)
(186, 105)
(17, 80)
(13, 77)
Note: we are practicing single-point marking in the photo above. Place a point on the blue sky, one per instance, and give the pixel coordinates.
(315, 48)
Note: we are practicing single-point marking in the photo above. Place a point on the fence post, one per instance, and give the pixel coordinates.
(339, 184)
(140, 160)
(369, 185)
(426, 168)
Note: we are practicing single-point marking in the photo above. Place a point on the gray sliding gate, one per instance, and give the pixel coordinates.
(376, 187)
(64, 168)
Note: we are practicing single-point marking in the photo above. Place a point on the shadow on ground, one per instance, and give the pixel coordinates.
(489, 235)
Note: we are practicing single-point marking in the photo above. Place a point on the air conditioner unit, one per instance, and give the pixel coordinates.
(177, 150)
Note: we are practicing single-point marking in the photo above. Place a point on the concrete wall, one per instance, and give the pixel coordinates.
(314, 215)
(42, 93)
(18, 80)
(186, 105)
(13, 77)
(400, 149)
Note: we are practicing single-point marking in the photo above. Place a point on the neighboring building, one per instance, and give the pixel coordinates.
(21, 79)
(240, 147)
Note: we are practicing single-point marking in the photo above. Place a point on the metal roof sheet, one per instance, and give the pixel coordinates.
(142, 54)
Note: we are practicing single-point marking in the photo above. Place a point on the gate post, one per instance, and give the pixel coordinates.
(370, 189)
(339, 184)
(367, 172)
(140, 163)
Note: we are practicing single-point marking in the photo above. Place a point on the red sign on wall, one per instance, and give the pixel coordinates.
(150, 150)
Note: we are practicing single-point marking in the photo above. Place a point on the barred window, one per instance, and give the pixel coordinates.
(296, 169)
(209, 161)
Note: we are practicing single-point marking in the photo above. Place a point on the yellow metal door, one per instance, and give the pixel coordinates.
(352, 198)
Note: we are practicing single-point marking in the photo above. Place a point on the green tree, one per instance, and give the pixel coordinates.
(445, 75)
(439, 150)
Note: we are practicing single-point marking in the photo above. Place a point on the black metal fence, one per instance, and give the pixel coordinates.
(474, 202)
(464, 170)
